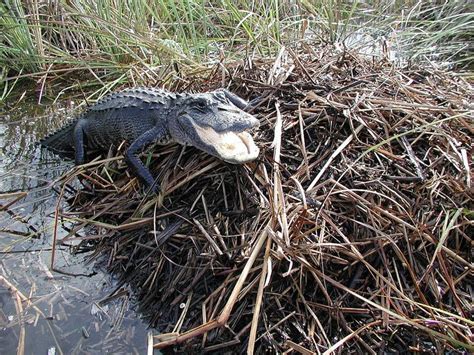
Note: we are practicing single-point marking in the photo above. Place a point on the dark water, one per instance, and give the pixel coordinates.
(65, 315)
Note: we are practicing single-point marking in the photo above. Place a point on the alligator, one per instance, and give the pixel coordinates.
(214, 122)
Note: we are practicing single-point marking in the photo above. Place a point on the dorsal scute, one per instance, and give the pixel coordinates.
(133, 97)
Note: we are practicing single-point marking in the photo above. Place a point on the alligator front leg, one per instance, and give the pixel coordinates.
(131, 155)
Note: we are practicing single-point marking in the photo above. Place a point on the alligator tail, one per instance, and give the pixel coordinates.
(61, 142)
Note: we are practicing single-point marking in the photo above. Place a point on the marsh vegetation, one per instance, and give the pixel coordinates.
(352, 232)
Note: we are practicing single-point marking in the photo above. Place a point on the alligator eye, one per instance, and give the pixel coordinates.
(201, 104)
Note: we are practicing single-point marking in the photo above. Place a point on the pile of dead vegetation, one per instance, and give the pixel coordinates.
(352, 231)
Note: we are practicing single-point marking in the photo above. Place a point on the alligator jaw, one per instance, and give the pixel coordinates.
(232, 147)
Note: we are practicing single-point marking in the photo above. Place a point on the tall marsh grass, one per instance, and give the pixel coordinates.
(113, 41)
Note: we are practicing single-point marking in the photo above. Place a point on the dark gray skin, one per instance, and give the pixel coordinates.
(213, 122)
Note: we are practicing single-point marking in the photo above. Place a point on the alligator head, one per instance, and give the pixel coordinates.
(213, 123)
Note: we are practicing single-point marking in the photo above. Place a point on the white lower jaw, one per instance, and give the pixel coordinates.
(232, 147)
(236, 148)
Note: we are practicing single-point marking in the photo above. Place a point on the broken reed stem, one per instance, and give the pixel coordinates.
(224, 316)
(332, 157)
(344, 340)
(258, 303)
(208, 237)
(21, 339)
(13, 289)
(19, 297)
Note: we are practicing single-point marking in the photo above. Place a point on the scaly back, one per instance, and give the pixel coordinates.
(61, 141)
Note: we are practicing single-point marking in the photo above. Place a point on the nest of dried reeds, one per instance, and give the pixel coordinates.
(353, 231)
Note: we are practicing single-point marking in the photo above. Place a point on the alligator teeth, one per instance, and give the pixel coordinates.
(248, 141)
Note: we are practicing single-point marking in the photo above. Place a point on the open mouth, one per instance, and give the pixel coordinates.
(232, 147)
